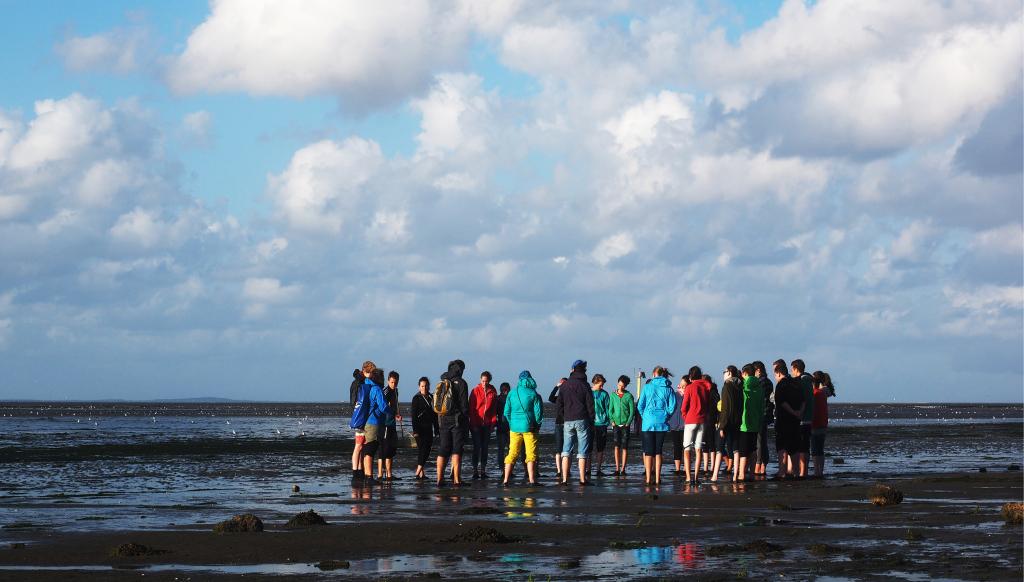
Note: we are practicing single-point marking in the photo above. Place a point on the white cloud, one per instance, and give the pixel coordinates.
(263, 292)
(369, 54)
(613, 247)
(118, 51)
(197, 128)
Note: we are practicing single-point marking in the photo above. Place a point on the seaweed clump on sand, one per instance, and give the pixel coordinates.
(884, 495)
(134, 550)
(822, 550)
(481, 510)
(759, 547)
(1013, 513)
(305, 519)
(245, 522)
(482, 535)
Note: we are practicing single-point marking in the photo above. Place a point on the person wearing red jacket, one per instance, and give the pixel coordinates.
(483, 417)
(695, 414)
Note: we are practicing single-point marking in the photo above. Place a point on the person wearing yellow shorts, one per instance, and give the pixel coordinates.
(524, 412)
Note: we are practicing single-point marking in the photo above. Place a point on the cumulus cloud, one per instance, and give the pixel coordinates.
(367, 54)
(122, 50)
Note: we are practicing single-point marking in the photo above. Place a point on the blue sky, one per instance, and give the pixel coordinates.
(239, 200)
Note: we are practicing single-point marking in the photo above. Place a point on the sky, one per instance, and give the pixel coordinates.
(244, 200)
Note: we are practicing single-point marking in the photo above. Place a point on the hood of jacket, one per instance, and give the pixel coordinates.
(526, 383)
(455, 369)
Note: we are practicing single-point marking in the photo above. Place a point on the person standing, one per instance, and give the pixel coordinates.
(675, 426)
(807, 386)
(424, 425)
(789, 410)
(750, 423)
(710, 445)
(621, 409)
(376, 419)
(731, 414)
(819, 425)
(559, 429)
(601, 402)
(657, 401)
(694, 412)
(451, 403)
(524, 411)
(356, 424)
(501, 430)
(576, 403)
(762, 456)
(389, 440)
(483, 417)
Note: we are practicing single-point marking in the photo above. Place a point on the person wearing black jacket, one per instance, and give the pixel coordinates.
(731, 416)
(763, 456)
(789, 410)
(357, 450)
(454, 425)
(424, 425)
(575, 404)
(559, 430)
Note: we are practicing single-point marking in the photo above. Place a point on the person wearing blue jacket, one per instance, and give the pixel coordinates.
(524, 412)
(657, 401)
(377, 418)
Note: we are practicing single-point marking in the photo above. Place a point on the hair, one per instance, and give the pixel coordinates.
(829, 388)
(748, 369)
(505, 386)
(368, 367)
(599, 378)
(799, 365)
(818, 379)
(779, 362)
(707, 378)
(780, 369)
(661, 371)
(377, 376)
(423, 379)
(695, 373)
(759, 367)
(733, 370)
(560, 380)
(487, 375)
(393, 374)
(624, 379)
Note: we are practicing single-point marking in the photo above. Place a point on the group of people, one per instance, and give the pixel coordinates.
(705, 425)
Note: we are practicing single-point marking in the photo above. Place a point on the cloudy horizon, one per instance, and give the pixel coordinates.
(242, 200)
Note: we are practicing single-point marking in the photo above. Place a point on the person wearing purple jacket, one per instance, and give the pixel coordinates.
(575, 404)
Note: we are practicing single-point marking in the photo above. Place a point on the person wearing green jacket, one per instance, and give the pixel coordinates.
(750, 420)
(621, 410)
(601, 401)
(524, 411)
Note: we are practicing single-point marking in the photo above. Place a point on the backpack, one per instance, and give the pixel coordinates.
(361, 409)
(443, 397)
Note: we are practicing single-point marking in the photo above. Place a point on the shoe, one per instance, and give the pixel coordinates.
(370, 481)
(535, 484)
(615, 473)
(586, 484)
(476, 475)
(563, 483)
(600, 473)
(484, 475)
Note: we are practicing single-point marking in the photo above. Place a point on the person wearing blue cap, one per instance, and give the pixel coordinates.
(575, 404)
(524, 411)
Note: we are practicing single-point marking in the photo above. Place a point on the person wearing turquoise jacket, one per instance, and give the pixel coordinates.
(601, 420)
(657, 401)
(524, 411)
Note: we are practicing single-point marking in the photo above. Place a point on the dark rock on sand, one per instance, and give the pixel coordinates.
(1013, 468)
(759, 547)
(295, 488)
(884, 495)
(1013, 513)
(482, 535)
(18, 546)
(328, 565)
(914, 536)
(627, 545)
(245, 522)
(305, 519)
(982, 470)
(134, 550)
(569, 564)
(838, 461)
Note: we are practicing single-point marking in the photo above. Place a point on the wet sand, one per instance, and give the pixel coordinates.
(948, 527)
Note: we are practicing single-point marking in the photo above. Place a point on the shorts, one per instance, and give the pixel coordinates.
(763, 456)
(452, 437)
(576, 432)
(818, 442)
(371, 433)
(559, 438)
(389, 443)
(805, 439)
(693, 435)
(787, 437)
(677, 444)
(712, 439)
(620, 437)
(600, 438)
(746, 443)
(528, 440)
(360, 437)
(729, 441)
(653, 441)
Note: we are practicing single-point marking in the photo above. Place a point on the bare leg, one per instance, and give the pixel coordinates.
(802, 459)
(696, 464)
(686, 463)
(600, 462)
(819, 465)
(625, 454)
(457, 469)
(565, 469)
(357, 454)
(508, 473)
(442, 462)
(657, 469)
(531, 471)
(387, 467)
(736, 466)
(742, 472)
(584, 464)
(558, 466)
(648, 461)
(717, 462)
(367, 466)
